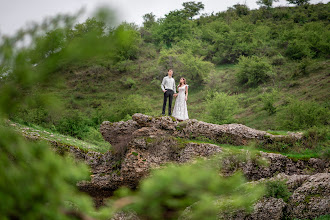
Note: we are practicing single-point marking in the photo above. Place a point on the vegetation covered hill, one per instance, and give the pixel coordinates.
(265, 68)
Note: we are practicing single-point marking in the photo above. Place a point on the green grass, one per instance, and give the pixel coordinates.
(46, 134)
(303, 154)
(277, 132)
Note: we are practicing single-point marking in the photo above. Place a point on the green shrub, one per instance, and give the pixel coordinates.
(73, 123)
(94, 136)
(253, 70)
(268, 100)
(303, 68)
(128, 82)
(239, 41)
(298, 115)
(316, 135)
(297, 50)
(322, 217)
(36, 183)
(278, 60)
(124, 108)
(193, 68)
(167, 192)
(277, 189)
(127, 40)
(221, 108)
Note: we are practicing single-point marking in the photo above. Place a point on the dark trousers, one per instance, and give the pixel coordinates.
(169, 93)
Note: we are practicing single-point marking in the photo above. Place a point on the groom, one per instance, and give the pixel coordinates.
(168, 87)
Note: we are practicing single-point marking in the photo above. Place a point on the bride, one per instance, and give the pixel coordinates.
(180, 111)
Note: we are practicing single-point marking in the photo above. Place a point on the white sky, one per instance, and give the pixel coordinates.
(15, 14)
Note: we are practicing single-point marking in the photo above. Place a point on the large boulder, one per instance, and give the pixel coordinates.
(312, 198)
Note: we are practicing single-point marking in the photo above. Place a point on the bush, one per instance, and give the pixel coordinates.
(124, 108)
(268, 100)
(193, 68)
(167, 193)
(278, 60)
(36, 183)
(316, 135)
(277, 189)
(299, 115)
(73, 123)
(297, 50)
(253, 70)
(239, 41)
(128, 83)
(127, 40)
(302, 68)
(221, 108)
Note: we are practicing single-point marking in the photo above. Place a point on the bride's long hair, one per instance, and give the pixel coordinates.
(184, 81)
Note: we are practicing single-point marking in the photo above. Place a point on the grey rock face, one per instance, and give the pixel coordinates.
(312, 198)
(146, 142)
(268, 208)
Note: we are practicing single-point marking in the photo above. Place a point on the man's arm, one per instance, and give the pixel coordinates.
(174, 88)
(162, 85)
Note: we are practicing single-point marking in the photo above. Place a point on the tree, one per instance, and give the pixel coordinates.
(173, 28)
(192, 9)
(298, 2)
(91, 25)
(148, 20)
(253, 70)
(241, 9)
(266, 3)
(127, 40)
(221, 108)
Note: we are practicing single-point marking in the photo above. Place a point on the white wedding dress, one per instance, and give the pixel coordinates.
(180, 108)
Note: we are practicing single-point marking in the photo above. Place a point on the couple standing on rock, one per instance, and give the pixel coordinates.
(180, 111)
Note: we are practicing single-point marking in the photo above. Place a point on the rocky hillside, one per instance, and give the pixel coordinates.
(146, 143)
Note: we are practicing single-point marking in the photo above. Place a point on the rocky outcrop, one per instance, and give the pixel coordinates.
(237, 134)
(147, 142)
(312, 198)
(277, 163)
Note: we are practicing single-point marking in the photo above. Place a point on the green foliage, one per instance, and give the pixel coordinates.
(35, 183)
(277, 189)
(128, 82)
(91, 25)
(169, 191)
(233, 41)
(47, 45)
(148, 20)
(193, 68)
(266, 3)
(73, 123)
(127, 41)
(253, 70)
(125, 107)
(221, 108)
(192, 8)
(297, 50)
(241, 10)
(317, 136)
(299, 115)
(298, 2)
(268, 100)
(171, 29)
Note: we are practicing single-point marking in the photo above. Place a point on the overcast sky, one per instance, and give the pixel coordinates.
(15, 14)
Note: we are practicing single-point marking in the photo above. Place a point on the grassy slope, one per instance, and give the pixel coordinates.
(40, 133)
(85, 90)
